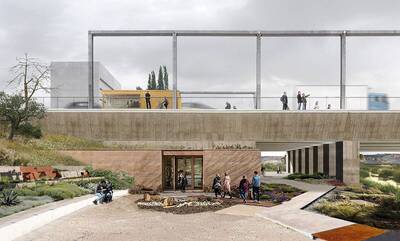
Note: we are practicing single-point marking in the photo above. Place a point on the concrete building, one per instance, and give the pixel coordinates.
(69, 88)
(207, 142)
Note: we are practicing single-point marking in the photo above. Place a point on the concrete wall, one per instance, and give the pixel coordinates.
(70, 79)
(339, 160)
(235, 162)
(229, 126)
(146, 166)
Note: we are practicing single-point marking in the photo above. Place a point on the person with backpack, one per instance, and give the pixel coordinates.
(256, 183)
(244, 188)
(284, 100)
(100, 189)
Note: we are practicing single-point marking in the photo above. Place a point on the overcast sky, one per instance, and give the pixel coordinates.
(57, 31)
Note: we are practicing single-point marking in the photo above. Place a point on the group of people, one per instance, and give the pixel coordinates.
(301, 102)
(163, 105)
(228, 106)
(104, 192)
(223, 187)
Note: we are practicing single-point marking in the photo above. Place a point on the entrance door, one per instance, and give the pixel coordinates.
(168, 173)
(193, 168)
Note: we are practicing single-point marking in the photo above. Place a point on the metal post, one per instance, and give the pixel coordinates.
(90, 71)
(343, 70)
(258, 72)
(174, 71)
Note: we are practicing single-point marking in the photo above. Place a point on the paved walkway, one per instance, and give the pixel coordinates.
(291, 214)
(19, 224)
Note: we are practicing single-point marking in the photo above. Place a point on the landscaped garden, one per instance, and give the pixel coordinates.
(270, 195)
(375, 202)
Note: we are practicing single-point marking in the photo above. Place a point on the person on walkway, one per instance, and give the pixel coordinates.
(184, 182)
(148, 100)
(304, 100)
(227, 106)
(284, 101)
(316, 106)
(244, 188)
(256, 183)
(165, 102)
(100, 192)
(299, 100)
(217, 185)
(329, 107)
(227, 185)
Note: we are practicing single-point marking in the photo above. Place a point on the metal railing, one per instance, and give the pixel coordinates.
(223, 102)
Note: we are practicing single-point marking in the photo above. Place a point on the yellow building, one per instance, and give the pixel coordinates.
(121, 99)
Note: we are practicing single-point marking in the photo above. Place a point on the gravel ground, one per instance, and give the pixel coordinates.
(122, 220)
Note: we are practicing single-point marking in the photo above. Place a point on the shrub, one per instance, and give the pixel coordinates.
(385, 188)
(60, 191)
(307, 176)
(345, 210)
(28, 130)
(9, 197)
(386, 173)
(120, 180)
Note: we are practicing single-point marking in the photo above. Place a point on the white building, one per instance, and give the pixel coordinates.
(69, 84)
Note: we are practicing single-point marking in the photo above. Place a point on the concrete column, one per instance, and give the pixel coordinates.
(320, 159)
(311, 160)
(294, 161)
(303, 160)
(351, 162)
(332, 159)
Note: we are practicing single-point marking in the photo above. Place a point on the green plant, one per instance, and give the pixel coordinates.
(28, 130)
(306, 176)
(386, 173)
(9, 197)
(119, 180)
(60, 191)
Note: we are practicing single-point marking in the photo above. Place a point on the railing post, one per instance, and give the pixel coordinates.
(258, 71)
(343, 70)
(90, 71)
(174, 71)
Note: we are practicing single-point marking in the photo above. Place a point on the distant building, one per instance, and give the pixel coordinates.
(121, 99)
(69, 84)
(378, 101)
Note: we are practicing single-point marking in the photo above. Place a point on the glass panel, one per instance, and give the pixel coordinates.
(184, 164)
(168, 174)
(198, 173)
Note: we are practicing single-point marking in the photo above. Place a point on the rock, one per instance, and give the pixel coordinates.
(168, 201)
(146, 197)
(156, 198)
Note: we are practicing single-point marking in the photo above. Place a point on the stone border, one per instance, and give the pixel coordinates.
(27, 225)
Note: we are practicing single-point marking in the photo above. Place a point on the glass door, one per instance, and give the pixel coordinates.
(198, 172)
(168, 173)
(184, 166)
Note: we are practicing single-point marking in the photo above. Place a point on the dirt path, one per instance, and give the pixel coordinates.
(122, 220)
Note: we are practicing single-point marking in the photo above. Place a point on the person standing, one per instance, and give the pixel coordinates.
(329, 107)
(148, 100)
(165, 102)
(284, 101)
(184, 182)
(304, 101)
(227, 185)
(256, 183)
(299, 100)
(316, 106)
(244, 188)
(217, 185)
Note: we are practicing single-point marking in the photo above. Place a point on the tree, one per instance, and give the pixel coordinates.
(165, 77)
(31, 75)
(153, 81)
(160, 81)
(15, 110)
(149, 82)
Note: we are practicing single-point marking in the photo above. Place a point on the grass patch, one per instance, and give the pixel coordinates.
(26, 202)
(57, 191)
(302, 176)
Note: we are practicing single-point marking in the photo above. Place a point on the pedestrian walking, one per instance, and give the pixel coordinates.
(244, 188)
(299, 100)
(304, 100)
(284, 101)
(165, 103)
(256, 183)
(227, 185)
(217, 185)
(148, 100)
